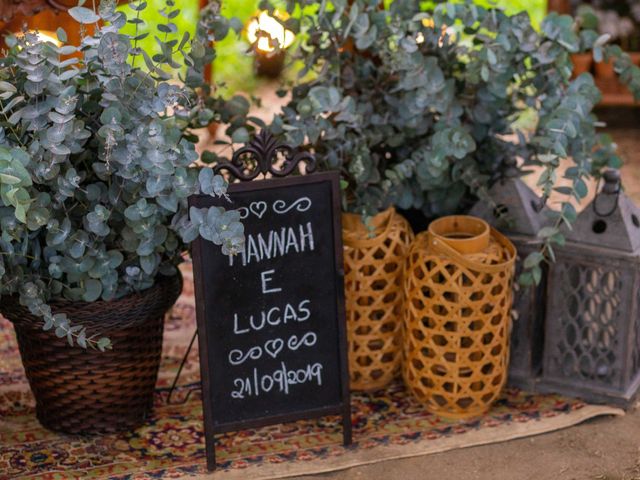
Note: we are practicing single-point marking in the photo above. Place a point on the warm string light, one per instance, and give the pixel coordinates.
(444, 31)
(277, 33)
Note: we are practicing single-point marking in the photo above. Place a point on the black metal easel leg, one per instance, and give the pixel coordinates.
(346, 426)
(175, 380)
(211, 455)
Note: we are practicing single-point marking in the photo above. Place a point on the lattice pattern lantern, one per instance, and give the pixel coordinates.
(374, 257)
(592, 346)
(517, 212)
(458, 293)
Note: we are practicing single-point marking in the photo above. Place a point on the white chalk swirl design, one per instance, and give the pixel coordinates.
(244, 212)
(302, 205)
(237, 357)
(309, 339)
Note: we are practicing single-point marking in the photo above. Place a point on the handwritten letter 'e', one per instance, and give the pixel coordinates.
(271, 319)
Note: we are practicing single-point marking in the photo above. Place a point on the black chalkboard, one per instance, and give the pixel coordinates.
(271, 319)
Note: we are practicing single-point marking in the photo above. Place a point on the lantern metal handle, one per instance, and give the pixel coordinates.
(612, 186)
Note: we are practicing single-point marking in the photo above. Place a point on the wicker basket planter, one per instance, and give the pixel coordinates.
(374, 264)
(458, 289)
(80, 391)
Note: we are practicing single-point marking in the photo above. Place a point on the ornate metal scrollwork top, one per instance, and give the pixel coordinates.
(260, 156)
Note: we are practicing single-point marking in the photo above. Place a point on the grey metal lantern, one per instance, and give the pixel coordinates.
(517, 213)
(592, 346)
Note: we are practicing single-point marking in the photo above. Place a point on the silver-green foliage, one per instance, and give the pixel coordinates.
(96, 163)
(420, 106)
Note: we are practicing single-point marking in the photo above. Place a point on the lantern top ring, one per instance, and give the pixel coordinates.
(466, 234)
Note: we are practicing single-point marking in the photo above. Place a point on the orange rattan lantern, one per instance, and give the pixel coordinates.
(458, 283)
(374, 259)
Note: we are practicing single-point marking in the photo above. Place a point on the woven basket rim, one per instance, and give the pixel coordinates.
(387, 219)
(166, 288)
(425, 238)
(477, 232)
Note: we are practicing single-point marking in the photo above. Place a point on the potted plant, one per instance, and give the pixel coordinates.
(619, 29)
(620, 21)
(586, 19)
(419, 107)
(96, 164)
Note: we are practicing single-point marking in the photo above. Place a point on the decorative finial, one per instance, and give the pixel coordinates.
(260, 156)
(611, 181)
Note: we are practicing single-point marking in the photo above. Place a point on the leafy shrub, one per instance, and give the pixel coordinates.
(421, 106)
(96, 162)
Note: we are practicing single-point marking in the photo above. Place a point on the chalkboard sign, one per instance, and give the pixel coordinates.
(271, 319)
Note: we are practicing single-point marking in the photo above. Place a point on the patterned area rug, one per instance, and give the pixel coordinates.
(387, 425)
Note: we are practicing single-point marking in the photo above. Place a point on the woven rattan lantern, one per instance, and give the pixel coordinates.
(517, 212)
(592, 346)
(374, 257)
(458, 292)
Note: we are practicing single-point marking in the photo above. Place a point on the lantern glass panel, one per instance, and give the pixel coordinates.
(592, 330)
(589, 319)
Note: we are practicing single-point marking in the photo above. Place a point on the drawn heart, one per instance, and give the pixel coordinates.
(258, 208)
(274, 347)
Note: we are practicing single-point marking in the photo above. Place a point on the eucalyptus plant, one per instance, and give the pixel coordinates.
(420, 106)
(96, 161)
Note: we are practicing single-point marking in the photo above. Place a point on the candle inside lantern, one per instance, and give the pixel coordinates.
(270, 38)
(267, 30)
